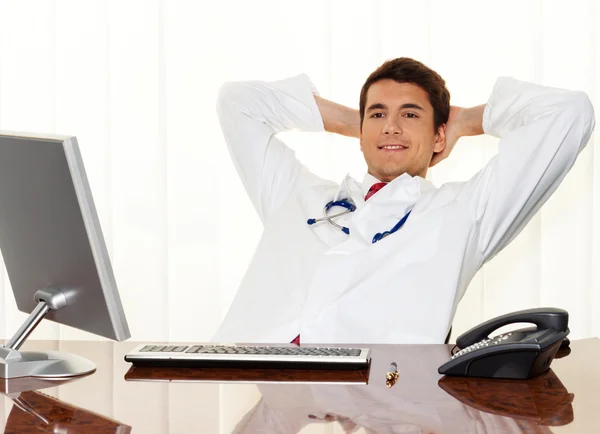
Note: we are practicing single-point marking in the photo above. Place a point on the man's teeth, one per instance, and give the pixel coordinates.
(394, 147)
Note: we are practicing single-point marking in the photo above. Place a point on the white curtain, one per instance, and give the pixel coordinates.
(136, 81)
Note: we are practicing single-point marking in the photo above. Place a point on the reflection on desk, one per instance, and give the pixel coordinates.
(415, 404)
(543, 400)
(37, 412)
(255, 376)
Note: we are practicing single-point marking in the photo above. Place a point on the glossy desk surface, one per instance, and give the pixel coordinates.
(117, 399)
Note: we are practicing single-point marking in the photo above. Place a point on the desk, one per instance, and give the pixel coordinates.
(564, 400)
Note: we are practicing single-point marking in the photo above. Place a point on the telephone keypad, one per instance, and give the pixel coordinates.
(482, 344)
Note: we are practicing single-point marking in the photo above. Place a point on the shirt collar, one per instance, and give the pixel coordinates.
(417, 182)
(368, 181)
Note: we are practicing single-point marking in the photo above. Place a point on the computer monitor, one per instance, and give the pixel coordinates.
(54, 252)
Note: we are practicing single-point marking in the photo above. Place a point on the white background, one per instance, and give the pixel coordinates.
(136, 82)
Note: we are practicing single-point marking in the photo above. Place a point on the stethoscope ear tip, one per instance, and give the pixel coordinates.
(346, 230)
(311, 221)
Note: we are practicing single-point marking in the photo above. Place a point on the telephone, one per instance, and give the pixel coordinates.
(519, 354)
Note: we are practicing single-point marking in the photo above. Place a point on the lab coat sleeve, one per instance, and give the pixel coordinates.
(542, 130)
(250, 114)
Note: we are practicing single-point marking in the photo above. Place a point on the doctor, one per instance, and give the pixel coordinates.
(313, 281)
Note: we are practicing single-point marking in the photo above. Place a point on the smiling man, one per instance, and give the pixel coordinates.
(403, 111)
(397, 253)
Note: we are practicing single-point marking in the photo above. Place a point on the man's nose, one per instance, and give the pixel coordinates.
(392, 127)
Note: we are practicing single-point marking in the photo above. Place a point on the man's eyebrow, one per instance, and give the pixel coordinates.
(377, 106)
(408, 105)
(412, 105)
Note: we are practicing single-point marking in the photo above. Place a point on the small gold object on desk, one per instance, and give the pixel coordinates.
(392, 375)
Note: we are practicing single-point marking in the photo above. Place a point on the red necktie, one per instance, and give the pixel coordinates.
(374, 189)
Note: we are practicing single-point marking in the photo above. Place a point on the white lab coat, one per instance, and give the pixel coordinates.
(330, 287)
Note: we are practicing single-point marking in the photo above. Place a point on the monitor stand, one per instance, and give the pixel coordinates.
(43, 364)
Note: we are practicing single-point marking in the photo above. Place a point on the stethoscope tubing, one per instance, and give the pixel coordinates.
(350, 207)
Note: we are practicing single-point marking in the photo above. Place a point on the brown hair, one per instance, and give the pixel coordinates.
(407, 70)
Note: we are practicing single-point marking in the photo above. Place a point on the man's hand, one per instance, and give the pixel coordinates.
(461, 122)
(339, 119)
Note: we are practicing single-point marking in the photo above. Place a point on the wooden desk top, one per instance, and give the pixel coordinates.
(117, 399)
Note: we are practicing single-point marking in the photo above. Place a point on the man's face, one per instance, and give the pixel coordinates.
(397, 132)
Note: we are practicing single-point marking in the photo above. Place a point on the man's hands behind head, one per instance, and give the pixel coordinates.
(461, 122)
(339, 119)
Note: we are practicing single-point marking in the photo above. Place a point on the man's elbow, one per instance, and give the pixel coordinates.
(236, 96)
(227, 94)
(578, 108)
(588, 115)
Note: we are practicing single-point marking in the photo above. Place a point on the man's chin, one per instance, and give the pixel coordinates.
(388, 174)
(389, 177)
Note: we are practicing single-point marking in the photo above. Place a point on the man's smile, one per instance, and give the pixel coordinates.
(392, 147)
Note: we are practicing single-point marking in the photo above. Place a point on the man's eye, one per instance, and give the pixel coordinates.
(411, 115)
(377, 115)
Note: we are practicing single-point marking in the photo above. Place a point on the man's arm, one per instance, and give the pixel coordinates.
(542, 130)
(339, 119)
(251, 113)
(462, 122)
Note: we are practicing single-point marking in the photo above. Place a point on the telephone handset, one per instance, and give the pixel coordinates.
(519, 354)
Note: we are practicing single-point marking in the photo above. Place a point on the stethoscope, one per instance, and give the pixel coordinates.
(350, 207)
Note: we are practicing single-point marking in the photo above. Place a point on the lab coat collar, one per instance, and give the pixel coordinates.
(405, 180)
(350, 188)
(385, 208)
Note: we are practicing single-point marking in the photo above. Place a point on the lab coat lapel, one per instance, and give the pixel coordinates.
(313, 205)
(382, 211)
(351, 189)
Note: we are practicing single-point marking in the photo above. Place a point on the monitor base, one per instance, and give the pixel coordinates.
(42, 364)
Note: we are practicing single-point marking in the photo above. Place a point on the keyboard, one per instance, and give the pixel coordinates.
(249, 356)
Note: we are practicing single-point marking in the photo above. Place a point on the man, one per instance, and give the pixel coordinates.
(317, 283)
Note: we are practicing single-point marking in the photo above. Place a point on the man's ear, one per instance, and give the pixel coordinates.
(440, 140)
